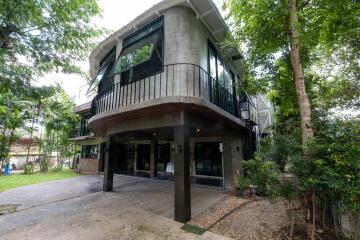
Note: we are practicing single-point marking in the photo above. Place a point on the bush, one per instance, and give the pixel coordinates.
(29, 168)
(242, 182)
(263, 174)
(57, 169)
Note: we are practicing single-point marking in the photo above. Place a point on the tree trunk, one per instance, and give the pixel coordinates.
(31, 134)
(307, 131)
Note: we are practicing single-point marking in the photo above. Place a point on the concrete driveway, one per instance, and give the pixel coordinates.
(76, 208)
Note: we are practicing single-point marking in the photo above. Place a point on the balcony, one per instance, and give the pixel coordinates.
(180, 82)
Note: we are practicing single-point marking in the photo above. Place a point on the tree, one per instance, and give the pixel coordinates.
(36, 104)
(11, 118)
(307, 131)
(308, 53)
(60, 122)
(37, 37)
(303, 33)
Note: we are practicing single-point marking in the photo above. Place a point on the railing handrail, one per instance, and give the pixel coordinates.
(153, 74)
(220, 89)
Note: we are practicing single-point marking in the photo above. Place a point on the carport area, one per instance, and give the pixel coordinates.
(77, 208)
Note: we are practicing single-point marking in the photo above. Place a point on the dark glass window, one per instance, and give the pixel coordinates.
(212, 62)
(89, 151)
(208, 159)
(142, 53)
(162, 156)
(103, 79)
(219, 71)
(84, 131)
(143, 157)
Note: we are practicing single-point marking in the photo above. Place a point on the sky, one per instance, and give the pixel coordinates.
(116, 14)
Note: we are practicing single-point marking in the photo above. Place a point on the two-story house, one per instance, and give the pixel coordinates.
(168, 103)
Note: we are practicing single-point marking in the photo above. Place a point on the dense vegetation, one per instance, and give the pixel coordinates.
(304, 55)
(38, 37)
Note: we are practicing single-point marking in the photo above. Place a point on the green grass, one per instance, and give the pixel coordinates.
(17, 180)
(193, 229)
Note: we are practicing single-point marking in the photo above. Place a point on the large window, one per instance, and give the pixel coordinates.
(143, 157)
(142, 53)
(162, 156)
(208, 158)
(219, 71)
(84, 131)
(103, 79)
(89, 151)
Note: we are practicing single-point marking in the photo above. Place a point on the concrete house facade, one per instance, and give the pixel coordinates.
(168, 104)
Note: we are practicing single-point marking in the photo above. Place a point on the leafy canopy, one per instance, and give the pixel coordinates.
(38, 36)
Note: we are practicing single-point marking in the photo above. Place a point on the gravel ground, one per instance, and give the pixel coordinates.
(245, 219)
(213, 214)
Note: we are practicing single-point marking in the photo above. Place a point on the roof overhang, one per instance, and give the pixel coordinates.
(83, 108)
(205, 11)
(81, 138)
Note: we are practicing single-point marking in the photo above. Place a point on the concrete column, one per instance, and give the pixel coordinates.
(153, 163)
(109, 167)
(182, 174)
(227, 164)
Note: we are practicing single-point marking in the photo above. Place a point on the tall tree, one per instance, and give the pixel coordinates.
(306, 34)
(38, 36)
(307, 131)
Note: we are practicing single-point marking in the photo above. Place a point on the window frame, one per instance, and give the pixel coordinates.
(154, 26)
(219, 58)
(86, 151)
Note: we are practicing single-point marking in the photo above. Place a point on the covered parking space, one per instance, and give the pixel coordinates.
(79, 207)
(177, 128)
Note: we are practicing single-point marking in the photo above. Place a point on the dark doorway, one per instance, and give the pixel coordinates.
(143, 160)
(162, 157)
(208, 160)
(126, 159)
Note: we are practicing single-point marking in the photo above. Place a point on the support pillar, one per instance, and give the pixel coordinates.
(153, 163)
(108, 168)
(227, 164)
(182, 174)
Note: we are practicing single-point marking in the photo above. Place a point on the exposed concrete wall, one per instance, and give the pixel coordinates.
(232, 157)
(185, 41)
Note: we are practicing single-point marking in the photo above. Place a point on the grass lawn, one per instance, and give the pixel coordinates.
(17, 180)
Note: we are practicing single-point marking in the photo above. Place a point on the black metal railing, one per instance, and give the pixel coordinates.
(180, 79)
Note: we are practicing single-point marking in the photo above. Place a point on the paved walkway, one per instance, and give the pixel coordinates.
(77, 209)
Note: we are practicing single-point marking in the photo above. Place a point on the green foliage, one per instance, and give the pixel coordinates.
(334, 170)
(329, 47)
(60, 122)
(40, 36)
(242, 182)
(29, 168)
(57, 169)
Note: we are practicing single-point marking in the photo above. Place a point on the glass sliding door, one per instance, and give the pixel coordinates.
(208, 158)
(208, 164)
(162, 156)
(143, 160)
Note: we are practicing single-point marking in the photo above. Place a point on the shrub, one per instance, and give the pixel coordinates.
(57, 169)
(242, 182)
(29, 168)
